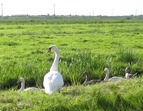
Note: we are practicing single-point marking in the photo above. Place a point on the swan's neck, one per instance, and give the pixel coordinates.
(107, 76)
(127, 75)
(22, 86)
(56, 60)
(86, 78)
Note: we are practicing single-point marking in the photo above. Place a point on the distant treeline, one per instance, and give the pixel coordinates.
(46, 19)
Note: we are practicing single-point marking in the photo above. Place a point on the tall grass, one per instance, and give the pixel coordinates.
(71, 65)
(75, 64)
(128, 56)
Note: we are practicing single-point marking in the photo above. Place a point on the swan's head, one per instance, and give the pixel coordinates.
(106, 70)
(21, 80)
(85, 74)
(52, 47)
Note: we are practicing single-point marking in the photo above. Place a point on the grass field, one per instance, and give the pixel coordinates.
(85, 44)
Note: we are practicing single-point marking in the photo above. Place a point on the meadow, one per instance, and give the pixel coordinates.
(85, 44)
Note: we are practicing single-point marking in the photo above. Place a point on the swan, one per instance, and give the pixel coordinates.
(23, 86)
(128, 74)
(115, 78)
(87, 81)
(53, 80)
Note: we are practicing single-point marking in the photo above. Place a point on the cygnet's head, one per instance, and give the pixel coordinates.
(85, 74)
(128, 70)
(106, 70)
(21, 80)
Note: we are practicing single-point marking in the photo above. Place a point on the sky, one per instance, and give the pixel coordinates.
(71, 7)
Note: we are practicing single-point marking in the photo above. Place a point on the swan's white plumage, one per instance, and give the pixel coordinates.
(23, 86)
(53, 80)
(115, 78)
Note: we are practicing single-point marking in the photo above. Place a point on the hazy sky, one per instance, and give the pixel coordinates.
(73, 7)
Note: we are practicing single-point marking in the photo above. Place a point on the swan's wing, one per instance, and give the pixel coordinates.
(57, 81)
(47, 79)
(115, 78)
(53, 81)
(130, 75)
(31, 89)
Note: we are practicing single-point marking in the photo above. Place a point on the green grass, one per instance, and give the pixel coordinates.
(122, 95)
(85, 44)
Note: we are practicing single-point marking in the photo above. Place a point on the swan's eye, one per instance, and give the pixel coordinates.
(49, 49)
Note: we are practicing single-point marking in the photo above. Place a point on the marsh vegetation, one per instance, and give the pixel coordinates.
(88, 44)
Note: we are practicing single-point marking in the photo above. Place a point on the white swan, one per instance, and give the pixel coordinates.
(23, 86)
(115, 78)
(53, 80)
